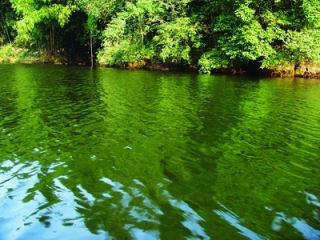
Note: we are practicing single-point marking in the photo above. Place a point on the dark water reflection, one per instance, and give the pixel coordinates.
(113, 154)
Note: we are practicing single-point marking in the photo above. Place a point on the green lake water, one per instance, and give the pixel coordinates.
(117, 154)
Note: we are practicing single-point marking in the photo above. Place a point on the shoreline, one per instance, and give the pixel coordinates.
(13, 55)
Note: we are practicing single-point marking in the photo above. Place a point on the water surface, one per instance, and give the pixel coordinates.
(116, 154)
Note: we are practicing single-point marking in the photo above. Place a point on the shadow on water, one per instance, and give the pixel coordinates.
(108, 153)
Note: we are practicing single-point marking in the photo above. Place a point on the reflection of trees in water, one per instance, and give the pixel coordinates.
(142, 136)
(148, 144)
(147, 156)
(257, 166)
(75, 148)
(16, 98)
(129, 210)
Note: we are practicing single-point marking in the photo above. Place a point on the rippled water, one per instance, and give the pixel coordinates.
(115, 154)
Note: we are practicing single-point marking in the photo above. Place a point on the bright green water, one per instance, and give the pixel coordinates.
(115, 154)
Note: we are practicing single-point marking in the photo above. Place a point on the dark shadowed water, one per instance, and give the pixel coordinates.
(116, 154)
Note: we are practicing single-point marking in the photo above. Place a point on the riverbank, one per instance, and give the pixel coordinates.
(303, 70)
(12, 54)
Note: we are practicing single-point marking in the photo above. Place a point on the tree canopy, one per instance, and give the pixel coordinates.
(210, 34)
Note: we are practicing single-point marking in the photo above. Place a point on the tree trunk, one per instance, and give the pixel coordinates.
(51, 32)
(5, 27)
(91, 50)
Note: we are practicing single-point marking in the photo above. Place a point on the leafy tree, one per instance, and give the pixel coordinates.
(175, 39)
(269, 32)
(147, 29)
(215, 34)
(39, 20)
(124, 37)
(7, 20)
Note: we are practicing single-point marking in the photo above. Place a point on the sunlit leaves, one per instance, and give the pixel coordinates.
(271, 32)
(150, 29)
(214, 59)
(176, 38)
(311, 9)
(303, 46)
(245, 13)
(32, 13)
(98, 8)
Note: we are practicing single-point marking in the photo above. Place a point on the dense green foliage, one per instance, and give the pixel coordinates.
(210, 34)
